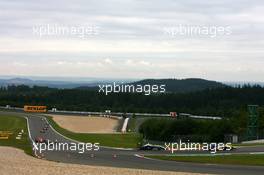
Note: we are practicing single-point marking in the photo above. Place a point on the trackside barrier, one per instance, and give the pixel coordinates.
(120, 113)
(124, 127)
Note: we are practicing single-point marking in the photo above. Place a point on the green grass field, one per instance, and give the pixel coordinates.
(15, 125)
(249, 144)
(240, 159)
(129, 140)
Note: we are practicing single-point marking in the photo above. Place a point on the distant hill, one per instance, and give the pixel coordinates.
(65, 84)
(172, 85)
(183, 85)
(47, 83)
(242, 83)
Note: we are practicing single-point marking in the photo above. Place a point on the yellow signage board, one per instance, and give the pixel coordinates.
(4, 135)
(35, 108)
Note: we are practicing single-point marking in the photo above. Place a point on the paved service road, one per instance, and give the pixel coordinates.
(127, 158)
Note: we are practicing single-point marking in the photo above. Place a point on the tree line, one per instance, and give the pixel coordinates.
(225, 102)
(228, 102)
(186, 130)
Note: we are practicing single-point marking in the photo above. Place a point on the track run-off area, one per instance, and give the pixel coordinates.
(129, 158)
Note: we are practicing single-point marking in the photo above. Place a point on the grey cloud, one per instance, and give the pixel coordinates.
(143, 20)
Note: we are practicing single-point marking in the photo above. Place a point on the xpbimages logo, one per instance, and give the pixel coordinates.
(192, 146)
(131, 88)
(65, 146)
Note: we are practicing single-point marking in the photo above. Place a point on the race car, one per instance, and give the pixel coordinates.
(45, 128)
(149, 147)
(224, 148)
(40, 140)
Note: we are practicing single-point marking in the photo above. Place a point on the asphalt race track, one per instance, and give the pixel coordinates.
(129, 158)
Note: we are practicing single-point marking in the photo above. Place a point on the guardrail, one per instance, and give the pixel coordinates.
(12, 108)
(119, 113)
(124, 127)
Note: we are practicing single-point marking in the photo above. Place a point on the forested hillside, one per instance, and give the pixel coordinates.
(183, 85)
(224, 102)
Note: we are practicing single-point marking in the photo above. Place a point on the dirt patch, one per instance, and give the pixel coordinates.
(85, 124)
(16, 162)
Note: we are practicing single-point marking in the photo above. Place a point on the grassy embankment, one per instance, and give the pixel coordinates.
(129, 140)
(248, 144)
(131, 127)
(240, 159)
(14, 125)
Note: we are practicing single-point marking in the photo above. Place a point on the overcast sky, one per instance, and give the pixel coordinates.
(133, 39)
